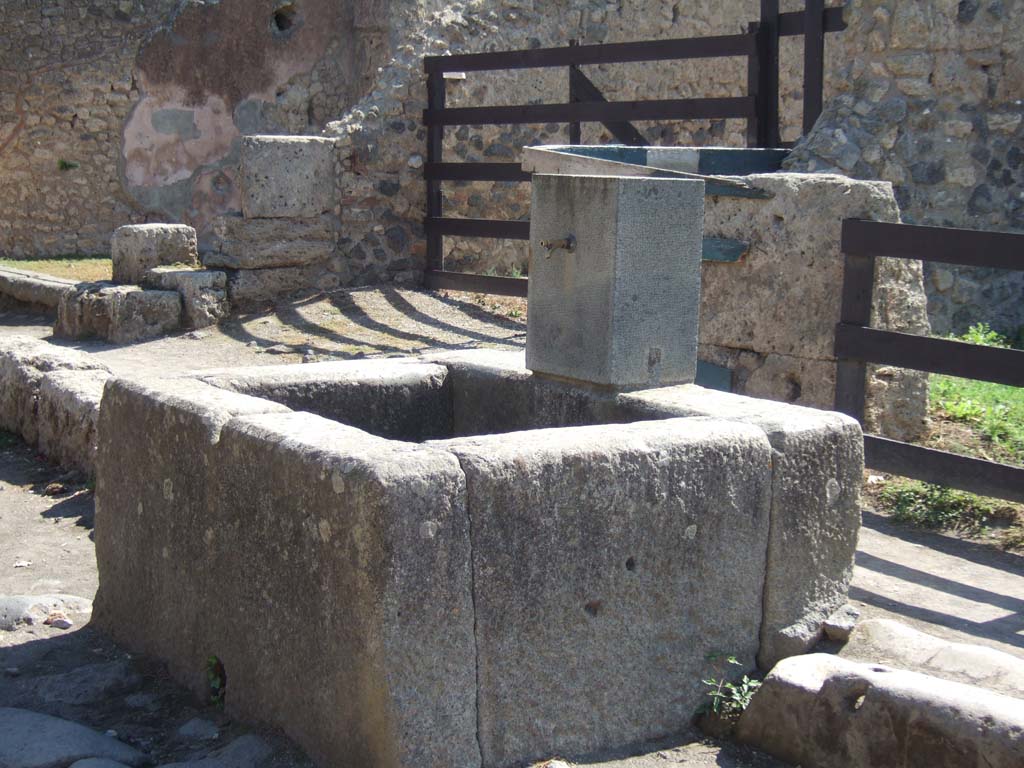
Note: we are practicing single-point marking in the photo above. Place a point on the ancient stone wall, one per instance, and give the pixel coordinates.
(931, 97)
(119, 112)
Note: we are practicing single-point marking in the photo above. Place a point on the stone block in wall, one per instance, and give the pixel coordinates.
(287, 176)
(69, 406)
(574, 597)
(261, 243)
(248, 287)
(204, 298)
(602, 308)
(123, 314)
(137, 248)
(818, 462)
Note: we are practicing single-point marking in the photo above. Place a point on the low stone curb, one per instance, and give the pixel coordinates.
(38, 291)
(825, 710)
(50, 396)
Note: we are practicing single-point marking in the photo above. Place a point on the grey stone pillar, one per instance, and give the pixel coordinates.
(614, 292)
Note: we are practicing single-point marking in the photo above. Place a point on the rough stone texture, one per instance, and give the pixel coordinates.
(34, 740)
(619, 308)
(123, 314)
(67, 412)
(932, 99)
(826, 711)
(591, 632)
(482, 377)
(23, 363)
(287, 176)
(250, 287)
(897, 645)
(32, 289)
(840, 624)
(136, 249)
(260, 243)
(782, 300)
(386, 622)
(818, 460)
(395, 399)
(112, 111)
(204, 298)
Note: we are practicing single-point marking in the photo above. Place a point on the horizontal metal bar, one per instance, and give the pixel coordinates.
(511, 230)
(605, 53)
(714, 248)
(474, 172)
(923, 353)
(740, 107)
(967, 247)
(792, 22)
(987, 478)
(463, 281)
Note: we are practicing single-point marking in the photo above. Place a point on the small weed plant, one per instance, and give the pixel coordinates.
(728, 698)
(933, 506)
(217, 680)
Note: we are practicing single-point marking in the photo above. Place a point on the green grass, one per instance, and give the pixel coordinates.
(73, 267)
(976, 418)
(933, 506)
(995, 411)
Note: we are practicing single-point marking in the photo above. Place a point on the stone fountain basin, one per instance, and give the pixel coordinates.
(452, 561)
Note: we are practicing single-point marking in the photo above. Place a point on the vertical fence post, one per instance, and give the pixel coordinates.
(814, 62)
(575, 131)
(858, 287)
(768, 91)
(435, 152)
(755, 124)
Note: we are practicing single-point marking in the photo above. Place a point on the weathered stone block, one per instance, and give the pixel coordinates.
(249, 287)
(620, 306)
(31, 289)
(818, 460)
(287, 176)
(67, 415)
(591, 631)
(137, 248)
(152, 494)
(24, 361)
(137, 315)
(122, 314)
(825, 710)
(387, 619)
(396, 399)
(262, 243)
(203, 292)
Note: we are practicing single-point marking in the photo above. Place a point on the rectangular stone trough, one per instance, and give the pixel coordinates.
(451, 561)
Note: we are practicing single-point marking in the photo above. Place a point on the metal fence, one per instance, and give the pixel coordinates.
(759, 107)
(857, 344)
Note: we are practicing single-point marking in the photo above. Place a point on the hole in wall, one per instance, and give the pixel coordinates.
(630, 564)
(216, 680)
(285, 18)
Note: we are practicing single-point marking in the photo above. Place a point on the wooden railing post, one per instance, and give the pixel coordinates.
(575, 129)
(768, 68)
(858, 288)
(814, 62)
(435, 154)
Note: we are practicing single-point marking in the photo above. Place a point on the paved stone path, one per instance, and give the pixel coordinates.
(949, 587)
